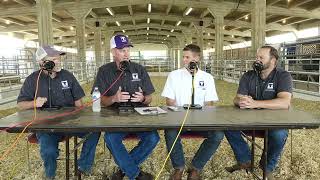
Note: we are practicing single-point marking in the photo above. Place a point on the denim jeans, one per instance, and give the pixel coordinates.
(276, 141)
(204, 153)
(49, 150)
(129, 162)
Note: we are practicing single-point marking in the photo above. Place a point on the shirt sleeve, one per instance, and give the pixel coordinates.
(27, 90)
(211, 93)
(77, 90)
(147, 86)
(285, 83)
(244, 85)
(168, 90)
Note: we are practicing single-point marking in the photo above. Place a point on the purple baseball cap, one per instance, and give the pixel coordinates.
(120, 41)
(49, 51)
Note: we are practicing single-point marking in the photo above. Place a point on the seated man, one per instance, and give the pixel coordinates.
(65, 92)
(133, 88)
(177, 91)
(264, 87)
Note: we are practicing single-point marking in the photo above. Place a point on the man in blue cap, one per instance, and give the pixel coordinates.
(65, 92)
(133, 89)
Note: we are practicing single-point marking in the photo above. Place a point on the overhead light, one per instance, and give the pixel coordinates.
(162, 42)
(147, 28)
(148, 21)
(149, 8)
(147, 34)
(102, 43)
(71, 28)
(284, 21)
(246, 17)
(147, 38)
(232, 36)
(209, 43)
(172, 30)
(118, 24)
(208, 34)
(188, 11)
(86, 35)
(178, 23)
(60, 37)
(123, 31)
(164, 39)
(91, 47)
(74, 42)
(110, 11)
(168, 35)
(8, 22)
(288, 1)
(224, 27)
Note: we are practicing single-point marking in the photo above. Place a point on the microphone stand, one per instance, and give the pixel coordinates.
(50, 106)
(192, 105)
(125, 107)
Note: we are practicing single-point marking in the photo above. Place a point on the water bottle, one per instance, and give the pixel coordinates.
(96, 106)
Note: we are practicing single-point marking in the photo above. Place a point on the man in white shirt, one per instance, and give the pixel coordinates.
(178, 92)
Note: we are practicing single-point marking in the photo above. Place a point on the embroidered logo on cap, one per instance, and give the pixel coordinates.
(123, 39)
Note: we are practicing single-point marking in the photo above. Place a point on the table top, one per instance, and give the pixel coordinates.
(208, 118)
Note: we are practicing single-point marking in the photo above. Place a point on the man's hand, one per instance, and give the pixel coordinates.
(247, 102)
(40, 101)
(138, 96)
(121, 96)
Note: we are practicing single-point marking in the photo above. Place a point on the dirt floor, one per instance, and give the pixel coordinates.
(304, 164)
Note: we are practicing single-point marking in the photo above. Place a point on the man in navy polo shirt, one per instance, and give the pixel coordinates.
(65, 92)
(265, 87)
(134, 89)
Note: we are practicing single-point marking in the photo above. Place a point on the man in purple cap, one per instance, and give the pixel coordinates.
(65, 91)
(133, 89)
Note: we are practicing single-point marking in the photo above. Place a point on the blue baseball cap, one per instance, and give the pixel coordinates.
(120, 41)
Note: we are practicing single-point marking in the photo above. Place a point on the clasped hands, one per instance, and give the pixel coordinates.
(125, 96)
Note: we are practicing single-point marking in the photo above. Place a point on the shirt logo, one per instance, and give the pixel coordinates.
(135, 76)
(123, 39)
(65, 84)
(201, 83)
(270, 86)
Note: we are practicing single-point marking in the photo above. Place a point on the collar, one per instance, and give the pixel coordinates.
(116, 69)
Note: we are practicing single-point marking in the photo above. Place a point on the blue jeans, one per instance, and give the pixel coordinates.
(49, 150)
(276, 142)
(129, 162)
(204, 153)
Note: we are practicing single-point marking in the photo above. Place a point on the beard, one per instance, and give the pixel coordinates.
(267, 65)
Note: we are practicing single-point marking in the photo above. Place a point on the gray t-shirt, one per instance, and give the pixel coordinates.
(278, 81)
(65, 89)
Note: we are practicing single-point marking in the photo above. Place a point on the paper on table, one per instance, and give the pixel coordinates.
(149, 110)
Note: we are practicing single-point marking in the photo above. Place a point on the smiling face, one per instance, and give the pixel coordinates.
(121, 54)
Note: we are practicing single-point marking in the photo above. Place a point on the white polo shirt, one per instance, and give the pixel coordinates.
(179, 87)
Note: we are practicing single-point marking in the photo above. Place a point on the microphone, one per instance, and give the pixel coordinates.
(257, 66)
(193, 67)
(124, 65)
(48, 65)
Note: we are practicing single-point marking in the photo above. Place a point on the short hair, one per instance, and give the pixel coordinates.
(193, 48)
(273, 52)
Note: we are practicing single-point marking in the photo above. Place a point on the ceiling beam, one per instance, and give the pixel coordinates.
(56, 18)
(23, 2)
(93, 14)
(272, 2)
(15, 21)
(294, 4)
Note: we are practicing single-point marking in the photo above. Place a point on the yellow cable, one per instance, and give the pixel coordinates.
(14, 144)
(181, 127)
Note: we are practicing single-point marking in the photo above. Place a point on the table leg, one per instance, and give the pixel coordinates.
(67, 158)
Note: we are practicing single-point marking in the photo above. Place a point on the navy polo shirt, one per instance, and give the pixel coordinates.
(278, 81)
(136, 76)
(65, 89)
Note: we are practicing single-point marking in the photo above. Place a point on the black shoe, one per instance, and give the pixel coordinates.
(144, 176)
(119, 175)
